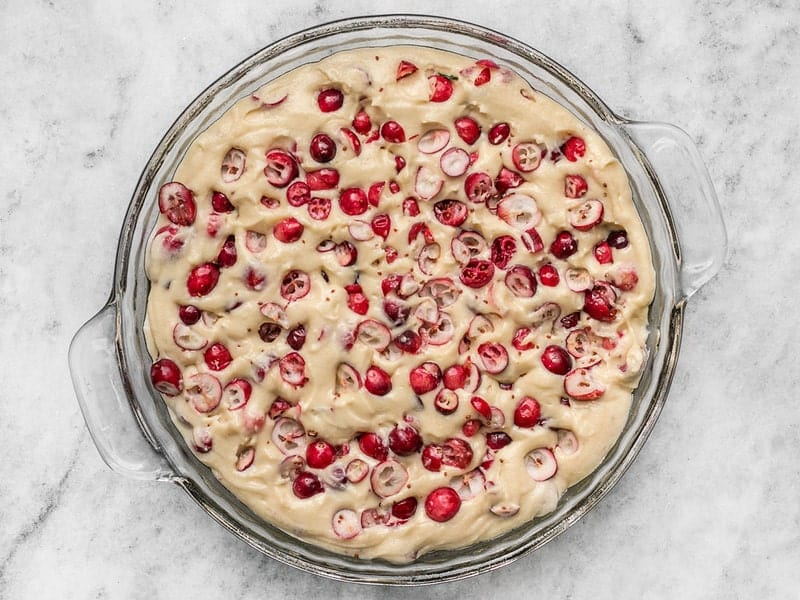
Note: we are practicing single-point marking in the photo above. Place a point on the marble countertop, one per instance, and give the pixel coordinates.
(710, 509)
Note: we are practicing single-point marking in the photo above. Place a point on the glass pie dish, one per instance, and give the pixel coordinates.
(109, 359)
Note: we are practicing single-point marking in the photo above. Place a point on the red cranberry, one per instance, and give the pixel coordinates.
(573, 149)
(202, 279)
(189, 314)
(571, 320)
(410, 207)
(319, 209)
(298, 193)
(217, 357)
(450, 212)
(527, 412)
(296, 337)
(442, 504)
(353, 201)
(330, 100)
(220, 203)
(503, 249)
(393, 132)
(322, 148)
(227, 254)
(556, 360)
(322, 179)
(381, 225)
(498, 133)
(575, 186)
(281, 168)
(320, 454)
(306, 485)
(175, 201)
(372, 445)
(564, 245)
(166, 377)
(404, 69)
(425, 377)
(468, 129)
(477, 273)
(404, 440)
(497, 439)
(454, 377)
(548, 275)
(441, 88)
(377, 381)
(362, 123)
(288, 230)
(404, 509)
(456, 453)
(432, 457)
(408, 341)
(618, 239)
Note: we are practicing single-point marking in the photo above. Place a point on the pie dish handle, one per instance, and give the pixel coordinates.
(104, 402)
(692, 199)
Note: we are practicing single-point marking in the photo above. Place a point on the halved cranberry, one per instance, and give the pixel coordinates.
(423, 229)
(322, 179)
(442, 291)
(381, 225)
(227, 254)
(446, 401)
(353, 201)
(427, 183)
(494, 357)
(439, 333)
(532, 240)
(404, 509)
(189, 314)
(404, 69)
(586, 215)
(571, 320)
(623, 277)
(187, 338)
(527, 412)
(281, 168)
(450, 212)
(564, 245)
(454, 162)
(322, 148)
(425, 377)
(471, 427)
(523, 339)
(362, 123)
(320, 454)
(351, 139)
(521, 281)
(288, 230)
(503, 249)
(580, 384)
(482, 407)
(573, 149)
(244, 458)
(506, 180)
(477, 273)
(220, 203)
(289, 436)
(346, 524)
(377, 381)
(233, 165)
(441, 88)
(468, 129)
(602, 253)
(433, 140)
(176, 202)
(527, 156)
(202, 440)
(404, 440)
(269, 332)
(330, 100)
(456, 453)
(397, 312)
(372, 445)
(548, 275)
(293, 369)
(393, 132)
(296, 338)
(347, 378)
(166, 377)
(556, 360)
(388, 478)
(319, 209)
(478, 187)
(483, 77)
(217, 356)
(356, 470)
(255, 241)
(454, 377)
(374, 193)
(237, 393)
(618, 239)
(432, 457)
(520, 211)
(575, 186)
(467, 245)
(499, 133)
(202, 279)
(541, 464)
(295, 285)
(306, 485)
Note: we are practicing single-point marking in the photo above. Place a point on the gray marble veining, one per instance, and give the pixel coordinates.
(709, 510)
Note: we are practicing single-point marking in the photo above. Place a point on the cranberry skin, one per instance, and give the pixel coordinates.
(377, 381)
(564, 245)
(425, 377)
(503, 249)
(177, 203)
(306, 485)
(477, 273)
(404, 440)
(597, 305)
(456, 453)
(404, 509)
(393, 132)
(556, 360)
(220, 203)
(527, 412)
(468, 129)
(573, 149)
(320, 454)
(409, 341)
(289, 230)
(202, 279)
(442, 504)
(372, 445)
(441, 88)
(450, 212)
(548, 275)
(227, 254)
(217, 357)
(189, 314)
(362, 123)
(575, 186)
(330, 100)
(166, 377)
(298, 193)
(499, 133)
(618, 239)
(353, 201)
(455, 376)
(571, 320)
(296, 337)
(432, 457)
(497, 439)
(322, 148)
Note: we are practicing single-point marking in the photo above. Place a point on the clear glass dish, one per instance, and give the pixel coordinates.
(109, 361)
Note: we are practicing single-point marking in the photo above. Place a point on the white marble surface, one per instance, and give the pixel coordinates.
(711, 509)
